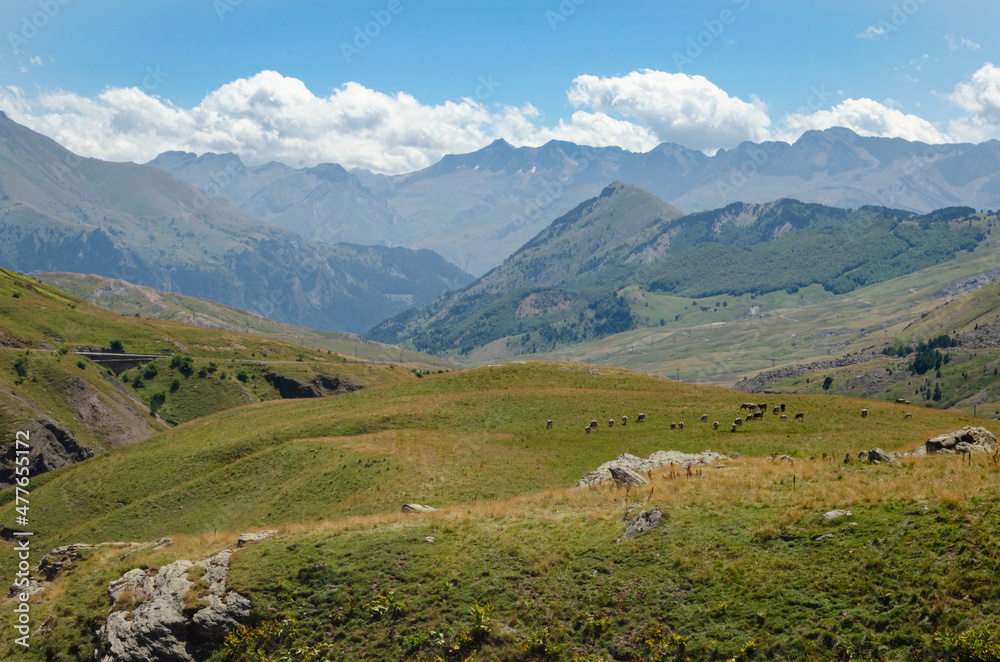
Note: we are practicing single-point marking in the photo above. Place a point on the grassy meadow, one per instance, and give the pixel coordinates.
(522, 564)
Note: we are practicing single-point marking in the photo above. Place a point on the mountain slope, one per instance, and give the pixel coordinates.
(62, 213)
(129, 299)
(571, 283)
(325, 203)
(74, 408)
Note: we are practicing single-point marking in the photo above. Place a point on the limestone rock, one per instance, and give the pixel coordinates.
(975, 438)
(247, 538)
(418, 508)
(644, 521)
(879, 455)
(624, 476)
(655, 461)
(164, 614)
(834, 514)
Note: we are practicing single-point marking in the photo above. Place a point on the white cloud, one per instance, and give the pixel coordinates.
(37, 61)
(871, 33)
(961, 42)
(679, 108)
(866, 118)
(272, 117)
(980, 98)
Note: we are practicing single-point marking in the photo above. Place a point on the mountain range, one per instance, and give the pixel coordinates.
(60, 212)
(571, 283)
(476, 209)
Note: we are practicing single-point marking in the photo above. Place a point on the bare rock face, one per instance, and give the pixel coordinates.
(640, 466)
(171, 613)
(644, 521)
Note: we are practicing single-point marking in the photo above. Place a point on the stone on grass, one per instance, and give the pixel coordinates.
(644, 521)
(418, 508)
(248, 538)
(655, 461)
(834, 514)
(624, 476)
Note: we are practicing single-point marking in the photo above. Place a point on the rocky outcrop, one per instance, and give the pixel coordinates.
(52, 446)
(640, 466)
(172, 612)
(644, 521)
(320, 386)
(763, 380)
(966, 440)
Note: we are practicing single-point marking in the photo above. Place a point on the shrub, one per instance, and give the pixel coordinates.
(183, 364)
(117, 346)
(81, 365)
(174, 385)
(21, 366)
(157, 401)
(150, 372)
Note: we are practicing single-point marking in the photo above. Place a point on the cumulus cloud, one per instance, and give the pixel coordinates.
(866, 118)
(689, 110)
(272, 117)
(980, 98)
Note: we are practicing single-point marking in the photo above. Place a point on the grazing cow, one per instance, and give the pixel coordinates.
(587, 429)
(907, 415)
(734, 427)
(776, 410)
(624, 420)
(704, 418)
(758, 416)
(782, 405)
(548, 424)
(715, 425)
(680, 426)
(593, 424)
(642, 418)
(864, 413)
(800, 416)
(611, 422)
(900, 401)
(673, 426)
(784, 417)
(738, 421)
(906, 402)
(762, 406)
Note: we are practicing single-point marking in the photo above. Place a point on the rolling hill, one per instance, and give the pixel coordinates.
(74, 408)
(59, 212)
(520, 564)
(577, 281)
(129, 299)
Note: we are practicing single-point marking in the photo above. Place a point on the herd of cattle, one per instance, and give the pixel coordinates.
(755, 412)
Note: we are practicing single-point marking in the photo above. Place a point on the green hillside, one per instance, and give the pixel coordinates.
(733, 572)
(73, 407)
(574, 282)
(129, 299)
(947, 357)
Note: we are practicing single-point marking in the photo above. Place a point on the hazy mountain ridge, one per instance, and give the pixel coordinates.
(477, 208)
(59, 212)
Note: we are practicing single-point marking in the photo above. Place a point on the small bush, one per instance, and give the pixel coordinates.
(150, 372)
(117, 346)
(81, 365)
(174, 385)
(21, 366)
(242, 376)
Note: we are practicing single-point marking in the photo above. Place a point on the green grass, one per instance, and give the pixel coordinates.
(332, 473)
(134, 300)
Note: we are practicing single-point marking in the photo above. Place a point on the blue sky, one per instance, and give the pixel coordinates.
(294, 81)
